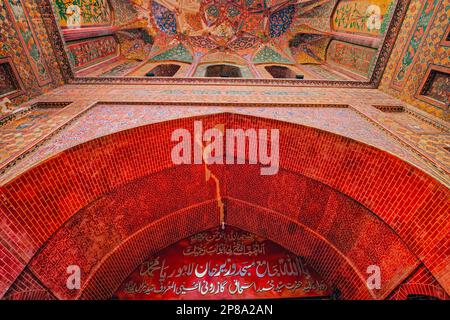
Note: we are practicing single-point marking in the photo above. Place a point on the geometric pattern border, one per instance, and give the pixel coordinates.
(426, 83)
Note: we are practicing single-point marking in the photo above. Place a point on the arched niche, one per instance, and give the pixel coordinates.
(223, 71)
(164, 70)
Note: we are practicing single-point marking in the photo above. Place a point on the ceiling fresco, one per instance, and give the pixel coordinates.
(306, 36)
(237, 26)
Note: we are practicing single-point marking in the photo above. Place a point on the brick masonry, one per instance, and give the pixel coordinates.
(367, 185)
(379, 209)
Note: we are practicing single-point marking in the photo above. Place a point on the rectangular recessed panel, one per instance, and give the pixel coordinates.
(438, 87)
(435, 89)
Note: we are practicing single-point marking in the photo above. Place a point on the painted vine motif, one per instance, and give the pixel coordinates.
(79, 13)
(367, 17)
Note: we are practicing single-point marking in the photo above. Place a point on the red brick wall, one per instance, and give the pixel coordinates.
(351, 203)
(420, 282)
(321, 224)
(128, 255)
(109, 238)
(28, 287)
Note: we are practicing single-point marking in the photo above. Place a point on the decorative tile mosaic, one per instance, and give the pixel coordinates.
(354, 57)
(386, 134)
(423, 30)
(88, 52)
(177, 53)
(268, 55)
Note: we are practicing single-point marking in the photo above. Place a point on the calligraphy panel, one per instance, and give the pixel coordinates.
(223, 264)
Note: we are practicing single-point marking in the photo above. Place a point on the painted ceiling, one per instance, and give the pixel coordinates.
(284, 30)
(317, 39)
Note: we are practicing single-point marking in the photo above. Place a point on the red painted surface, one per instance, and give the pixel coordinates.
(338, 203)
(223, 264)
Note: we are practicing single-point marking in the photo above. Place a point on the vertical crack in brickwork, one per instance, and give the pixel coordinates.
(210, 175)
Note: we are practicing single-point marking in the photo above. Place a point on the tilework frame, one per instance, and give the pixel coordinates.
(55, 35)
(428, 81)
(19, 16)
(89, 52)
(416, 40)
(353, 57)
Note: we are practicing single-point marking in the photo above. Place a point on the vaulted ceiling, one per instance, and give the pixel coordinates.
(344, 36)
(239, 26)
